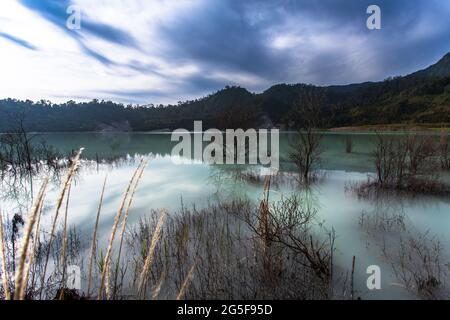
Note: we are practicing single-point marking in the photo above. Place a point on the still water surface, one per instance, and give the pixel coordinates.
(167, 185)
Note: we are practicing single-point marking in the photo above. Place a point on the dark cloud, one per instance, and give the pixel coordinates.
(234, 36)
(55, 11)
(220, 36)
(327, 42)
(96, 55)
(18, 41)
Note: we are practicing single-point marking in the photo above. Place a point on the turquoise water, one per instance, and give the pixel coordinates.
(165, 185)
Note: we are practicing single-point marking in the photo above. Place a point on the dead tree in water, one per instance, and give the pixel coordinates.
(16, 149)
(16, 153)
(21, 156)
(306, 147)
(408, 163)
(288, 223)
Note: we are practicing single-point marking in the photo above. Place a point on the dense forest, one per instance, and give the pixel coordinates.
(419, 98)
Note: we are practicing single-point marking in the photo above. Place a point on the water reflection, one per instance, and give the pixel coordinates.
(166, 185)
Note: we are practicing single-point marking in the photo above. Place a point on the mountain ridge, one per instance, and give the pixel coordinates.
(420, 97)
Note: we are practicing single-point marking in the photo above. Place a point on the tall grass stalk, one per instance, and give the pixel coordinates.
(186, 282)
(104, 281)
(149, 258)
(19, 291)
(64, 246)
(70, 173)
(94, 238)
(34, 244)
(157, 289)
(124, 224)
(5, 277)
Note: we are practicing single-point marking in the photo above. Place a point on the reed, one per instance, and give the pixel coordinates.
(5, 277)
(124, 222)
(230, 263)
(104, 281)
(67, 182)
(34, 243)
(94, 237)
(149, 258)
(186, 282)
(19, 291)
(157, 289)
(64, 246)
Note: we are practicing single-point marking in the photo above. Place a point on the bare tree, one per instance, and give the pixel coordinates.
(402, 159)
(289, 222)
(16, 148)
(305, 149)
(409, 163)
(21, 155)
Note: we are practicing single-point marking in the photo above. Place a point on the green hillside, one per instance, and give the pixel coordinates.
(419, 98)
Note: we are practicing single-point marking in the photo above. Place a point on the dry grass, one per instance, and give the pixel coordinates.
(157, 289)
(225, 255)
(230, 262)
(64, 244)
(186, 282)
(94, 238)
(5, 279)
(217, 244)
(104, 282)
(150, 255)
(34, 245)
(417, 259)
(124, 222)
(19, 292)
(67, 182)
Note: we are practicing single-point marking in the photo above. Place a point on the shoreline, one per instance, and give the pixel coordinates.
(385, 128)
(392, 128)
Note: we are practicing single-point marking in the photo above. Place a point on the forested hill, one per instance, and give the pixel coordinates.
(419, 98)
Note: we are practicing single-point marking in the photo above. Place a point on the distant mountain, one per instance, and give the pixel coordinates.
(440, 69)
(422, 97)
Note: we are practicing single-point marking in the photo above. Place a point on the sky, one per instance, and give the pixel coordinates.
(164, 51)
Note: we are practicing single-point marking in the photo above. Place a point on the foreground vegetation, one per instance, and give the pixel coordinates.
(410, 163)
(418, 259)
(233, 250)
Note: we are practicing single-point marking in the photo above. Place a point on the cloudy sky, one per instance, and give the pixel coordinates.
(163, 51)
